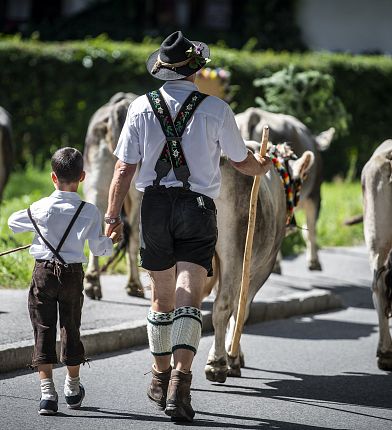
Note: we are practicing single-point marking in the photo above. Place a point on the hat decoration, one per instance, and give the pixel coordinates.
(195, 60)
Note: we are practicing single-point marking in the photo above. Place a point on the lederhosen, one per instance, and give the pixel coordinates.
(56, 287)
(181, 199)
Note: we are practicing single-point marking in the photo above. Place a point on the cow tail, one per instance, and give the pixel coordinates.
(388, 287)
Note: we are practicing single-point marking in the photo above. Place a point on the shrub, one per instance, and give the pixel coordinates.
(52, 89)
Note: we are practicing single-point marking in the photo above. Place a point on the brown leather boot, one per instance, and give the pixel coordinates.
(178, 403)
(157, 391)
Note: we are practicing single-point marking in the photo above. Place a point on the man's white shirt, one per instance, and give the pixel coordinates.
(52, 215)
(211, 130)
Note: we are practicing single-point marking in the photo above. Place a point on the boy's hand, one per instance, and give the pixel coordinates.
(115, 232)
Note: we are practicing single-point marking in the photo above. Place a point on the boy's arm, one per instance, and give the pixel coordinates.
(19, 222)
(99, 245)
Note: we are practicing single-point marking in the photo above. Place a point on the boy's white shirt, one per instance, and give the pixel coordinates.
(52, 215)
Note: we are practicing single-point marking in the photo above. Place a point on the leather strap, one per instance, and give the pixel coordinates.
(56, 252)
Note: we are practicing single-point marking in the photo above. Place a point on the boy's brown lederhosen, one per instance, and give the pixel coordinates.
(54, 282)
(177, 224)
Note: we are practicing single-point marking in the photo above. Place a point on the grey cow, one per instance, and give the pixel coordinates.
(6, 150)
(286, 128)
(377, 203)
(102, 135)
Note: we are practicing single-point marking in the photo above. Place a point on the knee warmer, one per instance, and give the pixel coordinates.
(186, 332)
(159, 330)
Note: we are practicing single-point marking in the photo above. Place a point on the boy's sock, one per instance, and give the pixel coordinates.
(48, 392)
(71, 386)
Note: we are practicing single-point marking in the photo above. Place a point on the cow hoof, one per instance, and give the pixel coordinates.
(384, 360)
(93, 293)
(314, 265)
(277, 269)
(134, 289)
(234, 367)
(242, 359)
(92, 286)
(216, 371)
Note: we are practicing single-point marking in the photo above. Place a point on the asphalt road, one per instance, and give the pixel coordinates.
(311, 372)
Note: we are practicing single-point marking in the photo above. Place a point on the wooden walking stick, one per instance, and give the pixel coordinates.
(239, 324)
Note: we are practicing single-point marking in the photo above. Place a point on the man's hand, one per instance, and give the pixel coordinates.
(254, 164)
(265, 163)
(115, 232)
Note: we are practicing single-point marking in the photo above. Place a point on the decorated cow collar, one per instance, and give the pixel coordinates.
(280, 155)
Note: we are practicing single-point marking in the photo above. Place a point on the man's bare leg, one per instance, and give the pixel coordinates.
(163, 287)
(191, 279)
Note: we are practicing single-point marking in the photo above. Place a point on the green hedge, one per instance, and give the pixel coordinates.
(52, 89)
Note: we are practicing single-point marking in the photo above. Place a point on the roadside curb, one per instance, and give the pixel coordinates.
(17, 355)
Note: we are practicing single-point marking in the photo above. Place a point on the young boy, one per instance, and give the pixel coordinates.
(62, 223)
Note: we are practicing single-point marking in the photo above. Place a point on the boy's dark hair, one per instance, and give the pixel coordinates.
(67, 164)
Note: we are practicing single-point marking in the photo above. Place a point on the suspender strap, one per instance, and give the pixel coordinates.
(66, 233)
(172, 155)
(56, 252)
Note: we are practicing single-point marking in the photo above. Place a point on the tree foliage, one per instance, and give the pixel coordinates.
(308, 95)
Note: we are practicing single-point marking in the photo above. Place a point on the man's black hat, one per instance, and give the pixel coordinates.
(177, 58)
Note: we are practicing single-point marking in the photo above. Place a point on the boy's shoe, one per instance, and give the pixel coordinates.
(74, 402)
(48, 407)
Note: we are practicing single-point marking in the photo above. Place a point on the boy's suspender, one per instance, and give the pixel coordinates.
(172, 155)
(56, 252)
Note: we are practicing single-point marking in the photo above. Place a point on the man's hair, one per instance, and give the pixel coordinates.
(67, 164)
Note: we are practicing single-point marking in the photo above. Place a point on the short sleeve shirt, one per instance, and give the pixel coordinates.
(211, 130)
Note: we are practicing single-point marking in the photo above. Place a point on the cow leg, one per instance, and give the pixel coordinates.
(132, 209)
(379, 289)
(311, 206)
(235, 363)
(92, 283)
(216, 368)
(96, 190)
(277, 269)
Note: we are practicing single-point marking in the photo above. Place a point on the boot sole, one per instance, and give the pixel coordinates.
(178, 414)
(47, 412)
(159, 405)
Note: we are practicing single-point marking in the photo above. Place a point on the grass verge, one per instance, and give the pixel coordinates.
(340, 201)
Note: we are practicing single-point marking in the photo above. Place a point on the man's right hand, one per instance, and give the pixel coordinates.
(115, 231)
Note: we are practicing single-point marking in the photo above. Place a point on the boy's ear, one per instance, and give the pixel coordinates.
(54, 177)
(82, 176)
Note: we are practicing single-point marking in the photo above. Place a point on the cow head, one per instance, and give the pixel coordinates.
(299, 168)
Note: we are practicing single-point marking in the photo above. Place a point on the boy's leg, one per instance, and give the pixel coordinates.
(42, 303)
(72, 350)
(70, 313)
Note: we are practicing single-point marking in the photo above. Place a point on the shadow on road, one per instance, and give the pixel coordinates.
(336, 392)
(312, 328)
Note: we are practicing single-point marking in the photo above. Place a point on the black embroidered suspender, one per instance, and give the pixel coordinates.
(56, 252)
(172, 155)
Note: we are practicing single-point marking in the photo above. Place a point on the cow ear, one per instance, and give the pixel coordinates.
(324, 139)
(302, 166)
